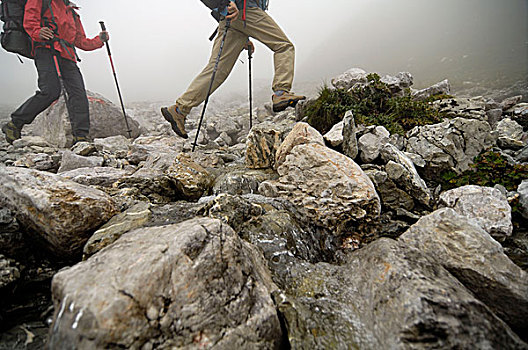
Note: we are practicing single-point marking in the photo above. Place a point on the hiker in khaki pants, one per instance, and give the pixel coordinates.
(255, 23)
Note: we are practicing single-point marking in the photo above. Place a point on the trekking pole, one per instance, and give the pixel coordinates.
(228, 24)
(61, 79)
(117, 84)
(250, 56)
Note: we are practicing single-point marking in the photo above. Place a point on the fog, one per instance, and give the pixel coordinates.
(159, 46)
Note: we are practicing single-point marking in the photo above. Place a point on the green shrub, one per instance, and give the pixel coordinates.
(328, 109)
(489, 169)
(373, 104)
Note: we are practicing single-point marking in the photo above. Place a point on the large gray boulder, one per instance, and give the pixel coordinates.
(485, 207)
(330, 186)
(476, 260)
(387, 296)
(106, 119)
(187, 286)
(61, 212)
(450, 145)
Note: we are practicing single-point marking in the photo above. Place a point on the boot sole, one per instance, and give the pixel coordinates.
(168, 117)
(10, 135)
(281, 106)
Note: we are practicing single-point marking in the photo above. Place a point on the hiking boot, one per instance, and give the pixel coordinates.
(176, 120)
(77, 139)
(11, 132)
(287, 99)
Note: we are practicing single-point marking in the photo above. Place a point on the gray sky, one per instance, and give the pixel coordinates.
(159, 46)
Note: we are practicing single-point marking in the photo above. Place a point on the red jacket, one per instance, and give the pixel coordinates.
(69, 28)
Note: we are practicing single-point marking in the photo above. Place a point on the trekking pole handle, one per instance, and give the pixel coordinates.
(103, 28)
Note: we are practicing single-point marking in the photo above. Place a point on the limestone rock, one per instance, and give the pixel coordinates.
(509, 102)
(462, 107)
(398, 83)
(330, 186)
(370, 144)
(510, 134)
(494, 116)
(441, 88)
(301, 134)
(134, 217)
(39, 161)
(350, 143)
(242, 181)
(170, 176)
(519, 114)
(263, 142)
(191, 285)
(485, 207)
(334, 137)
(523, 200)
(406, 178)
(390, 194)
(98, 176)
(274, 226)
(72, 161)
(61, 212)
(387, 296)
(477, 260)
(116, 145)
(350, 78)
(450, 145)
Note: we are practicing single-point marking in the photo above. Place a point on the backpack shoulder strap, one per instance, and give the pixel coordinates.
(46, 4)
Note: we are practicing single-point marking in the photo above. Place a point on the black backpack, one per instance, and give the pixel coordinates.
(14, 38)
(215, 4)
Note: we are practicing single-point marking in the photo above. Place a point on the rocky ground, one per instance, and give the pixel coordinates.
(269, 238)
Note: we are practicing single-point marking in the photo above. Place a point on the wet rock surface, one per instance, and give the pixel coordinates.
(196, 285)
(278, 238)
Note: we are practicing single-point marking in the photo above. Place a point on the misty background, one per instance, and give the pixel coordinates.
(159, 46)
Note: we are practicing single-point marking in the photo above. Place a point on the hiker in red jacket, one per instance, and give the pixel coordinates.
(56, 30)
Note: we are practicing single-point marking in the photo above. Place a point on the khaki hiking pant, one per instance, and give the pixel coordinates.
(260, 26)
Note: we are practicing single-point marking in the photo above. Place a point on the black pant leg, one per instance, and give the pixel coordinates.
(78, 107)
(49, 89)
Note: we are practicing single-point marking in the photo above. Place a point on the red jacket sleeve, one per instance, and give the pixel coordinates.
(32, 18)
(81, 41)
